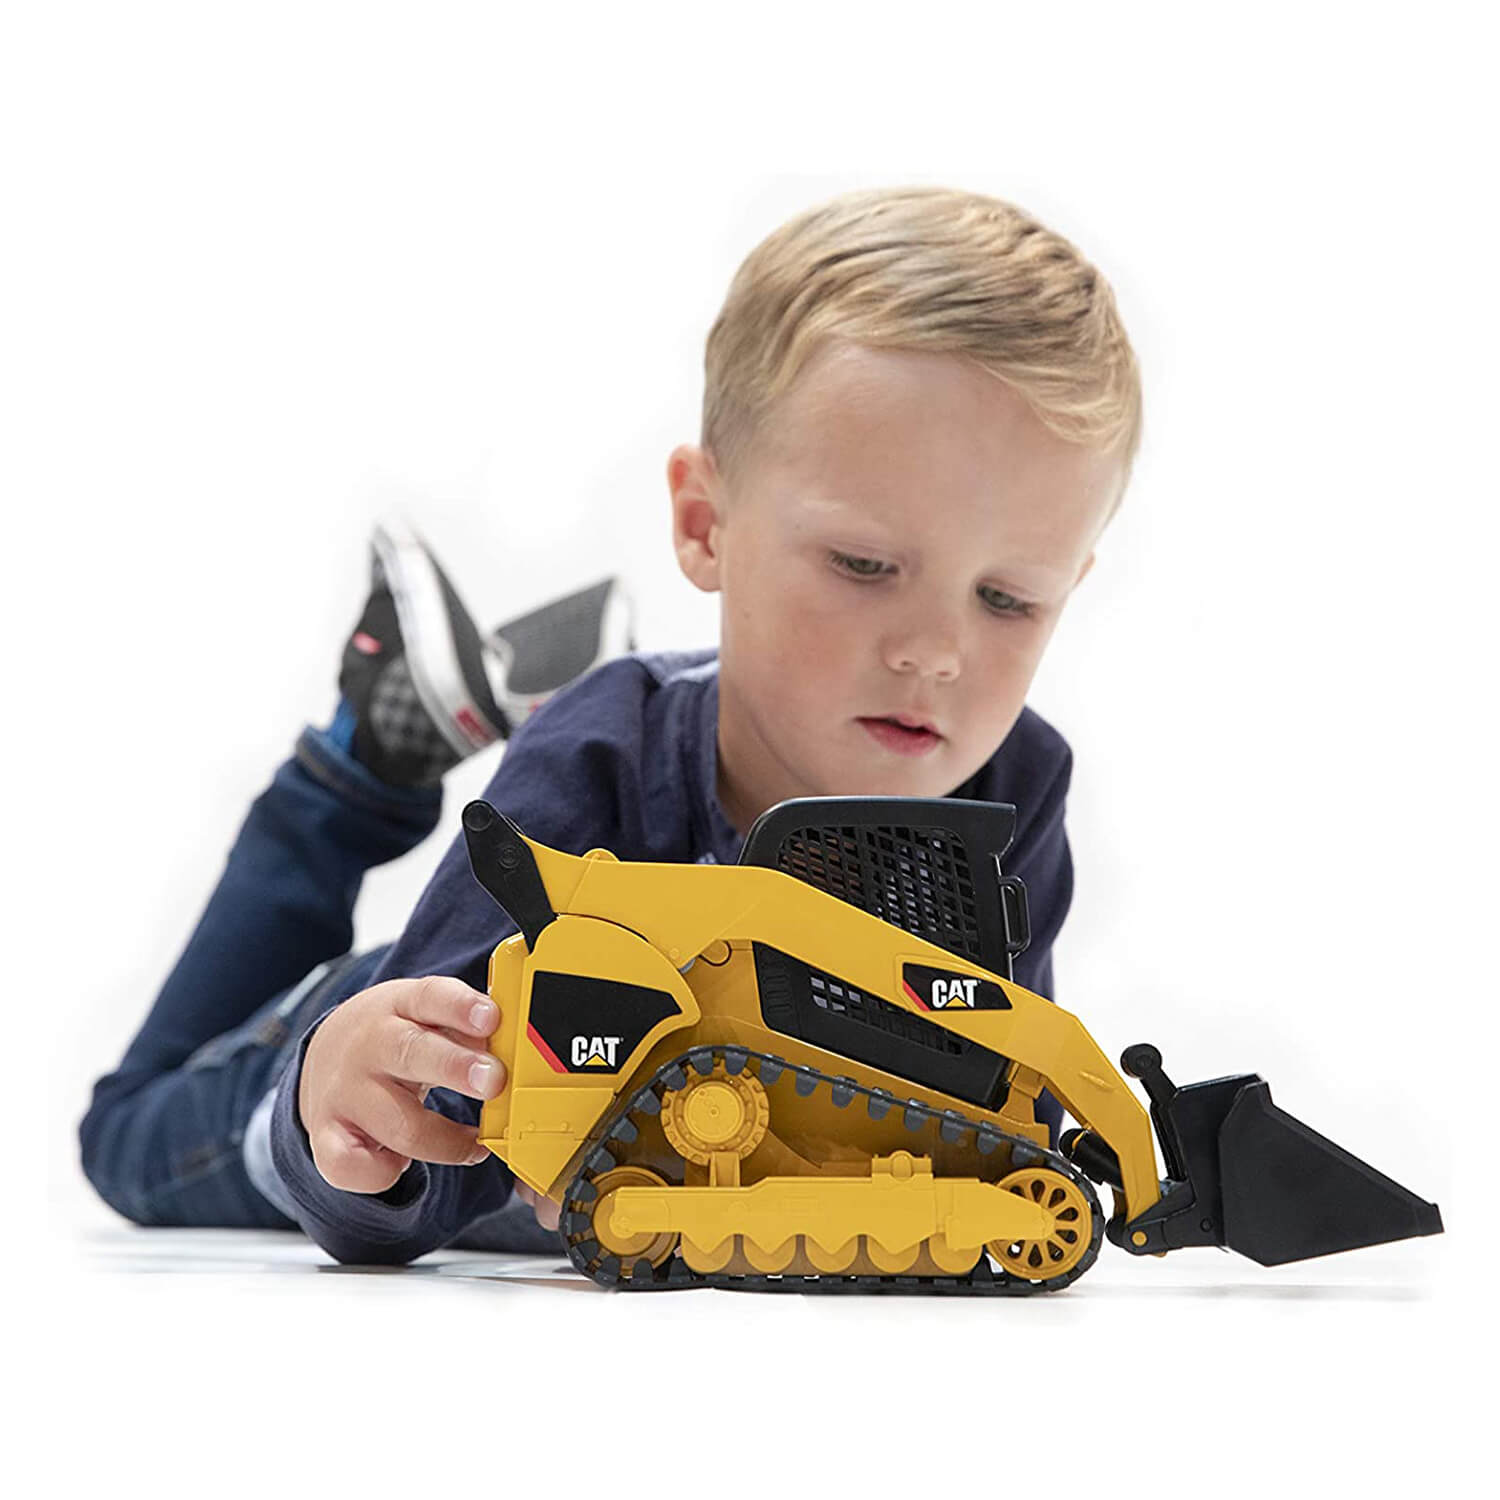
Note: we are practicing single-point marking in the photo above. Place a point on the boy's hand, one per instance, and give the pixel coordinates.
(370, 1065)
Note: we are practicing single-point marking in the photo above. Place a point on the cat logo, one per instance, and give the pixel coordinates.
(941, 989)
(953, 993)
(595, 1051)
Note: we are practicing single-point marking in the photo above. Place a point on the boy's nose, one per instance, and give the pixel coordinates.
(928, 651)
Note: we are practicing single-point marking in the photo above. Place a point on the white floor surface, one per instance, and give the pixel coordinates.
(233, 1362)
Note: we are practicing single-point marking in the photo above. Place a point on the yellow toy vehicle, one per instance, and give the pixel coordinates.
(812, 1071)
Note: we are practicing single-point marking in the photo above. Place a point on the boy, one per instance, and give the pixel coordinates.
(920, 412)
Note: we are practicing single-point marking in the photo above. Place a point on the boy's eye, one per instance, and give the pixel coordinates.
(858, 567)
(996, 600)
(1005, 604)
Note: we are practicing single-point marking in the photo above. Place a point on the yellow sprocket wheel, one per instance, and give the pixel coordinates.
(721, 1111)
(1072, 1229)
(629, 1248)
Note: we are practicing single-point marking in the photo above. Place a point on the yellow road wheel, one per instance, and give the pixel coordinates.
(891, 1262)
(1064, 1247)
(830, 1262)
(721, 1112)
(949, 1262)
(778, 1258)
(629, 1248)
(706, 1262)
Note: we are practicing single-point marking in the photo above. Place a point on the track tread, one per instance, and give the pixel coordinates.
(674, 1274)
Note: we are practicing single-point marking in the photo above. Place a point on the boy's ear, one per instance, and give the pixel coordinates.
(697, 499)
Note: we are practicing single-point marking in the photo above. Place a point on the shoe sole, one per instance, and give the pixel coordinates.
(425, 610)
(540, 653)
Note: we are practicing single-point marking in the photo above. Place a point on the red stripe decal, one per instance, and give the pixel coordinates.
(472, 725)
(915, 996)
(544, 1049)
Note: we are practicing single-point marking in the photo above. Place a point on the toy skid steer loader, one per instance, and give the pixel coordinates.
(811, 1071)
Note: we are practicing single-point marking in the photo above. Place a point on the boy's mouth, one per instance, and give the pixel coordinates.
(904, 739)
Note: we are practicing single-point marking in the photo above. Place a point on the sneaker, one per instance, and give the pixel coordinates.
(414, 672)
(541, 652)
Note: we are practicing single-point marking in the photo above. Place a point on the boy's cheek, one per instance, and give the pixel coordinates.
(818, 633)
(791, 641)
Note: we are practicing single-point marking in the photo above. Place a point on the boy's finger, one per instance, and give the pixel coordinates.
(414, 1054)
(463, 1038)
(440, 1000)
(395, 1119)
(348, 1160)
(547, 1213)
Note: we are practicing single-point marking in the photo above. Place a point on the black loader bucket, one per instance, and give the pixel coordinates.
(1245, 1174)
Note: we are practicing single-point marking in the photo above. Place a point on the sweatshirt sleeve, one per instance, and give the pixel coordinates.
(1042, 859)
(569, 777)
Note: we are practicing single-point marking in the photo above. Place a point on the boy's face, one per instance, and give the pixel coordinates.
(901, 541)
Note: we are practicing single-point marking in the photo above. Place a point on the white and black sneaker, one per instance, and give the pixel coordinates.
(426, 691)
(414, 671)
(541, 652)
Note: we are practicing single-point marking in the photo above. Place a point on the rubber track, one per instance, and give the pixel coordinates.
(674, 1274)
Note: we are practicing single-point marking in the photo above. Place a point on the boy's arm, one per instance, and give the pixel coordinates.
(1042, 859)
(568, 778)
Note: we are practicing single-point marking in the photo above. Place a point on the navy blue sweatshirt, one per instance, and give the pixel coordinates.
(625, 759)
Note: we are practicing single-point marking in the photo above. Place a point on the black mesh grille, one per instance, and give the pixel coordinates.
(928, 865)
(915, 878)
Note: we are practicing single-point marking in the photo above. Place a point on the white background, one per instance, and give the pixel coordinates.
(269, 270)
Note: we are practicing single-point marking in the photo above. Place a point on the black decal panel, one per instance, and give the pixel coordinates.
(586, 1025)
(802, 1001)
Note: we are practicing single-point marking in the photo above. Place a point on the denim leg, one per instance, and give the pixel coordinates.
(171, 1151)
(284, 905)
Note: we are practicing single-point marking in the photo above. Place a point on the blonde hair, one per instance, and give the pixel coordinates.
(924, 268)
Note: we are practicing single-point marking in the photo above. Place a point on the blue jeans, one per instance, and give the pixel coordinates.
(162, 1140)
